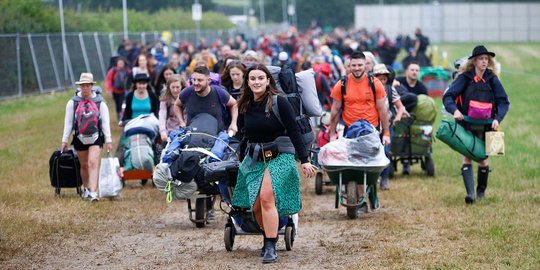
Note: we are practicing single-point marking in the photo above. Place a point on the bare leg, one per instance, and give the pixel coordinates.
(270, 218)
(83, 159)
(258, 213)
(93, 167)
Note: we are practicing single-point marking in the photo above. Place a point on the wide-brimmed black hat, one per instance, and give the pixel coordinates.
(141, 77)
(479, 50)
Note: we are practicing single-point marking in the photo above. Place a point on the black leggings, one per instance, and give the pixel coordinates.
(118, 100)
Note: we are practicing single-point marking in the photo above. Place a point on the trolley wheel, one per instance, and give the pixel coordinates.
(200, 212)
(430, 166)
(318, 183)
(228, 237)
(352, 198)
(144, 182)
(289, 237)
(79, 191)
(57, 192)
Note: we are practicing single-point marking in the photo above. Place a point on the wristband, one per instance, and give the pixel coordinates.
(386, 135)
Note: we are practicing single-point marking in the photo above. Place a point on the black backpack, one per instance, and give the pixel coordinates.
(287, 81)
(120, 78)
(478, 90)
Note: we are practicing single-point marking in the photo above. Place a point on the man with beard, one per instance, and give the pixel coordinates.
(364, 98)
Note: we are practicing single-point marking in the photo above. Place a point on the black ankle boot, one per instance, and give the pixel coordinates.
(468, 180)
(483, 173)
(263, 249)
(270, 255)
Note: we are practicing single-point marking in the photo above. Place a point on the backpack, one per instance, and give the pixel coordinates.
(120, 78)
(344, 88)
(308, 136)
(477, 102)
(87, 118)
(221, 95)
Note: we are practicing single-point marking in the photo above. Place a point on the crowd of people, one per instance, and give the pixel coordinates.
(355, 79)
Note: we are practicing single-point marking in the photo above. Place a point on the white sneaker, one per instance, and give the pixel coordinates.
(85, 193)
(93, 196)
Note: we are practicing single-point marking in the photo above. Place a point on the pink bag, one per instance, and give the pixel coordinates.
(479, 110)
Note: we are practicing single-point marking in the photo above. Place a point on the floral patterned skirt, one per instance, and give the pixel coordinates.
(285, 181)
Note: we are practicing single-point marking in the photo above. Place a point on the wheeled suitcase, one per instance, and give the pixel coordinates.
(64, 171)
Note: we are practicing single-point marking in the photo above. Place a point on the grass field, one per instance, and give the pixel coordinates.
(500, 232)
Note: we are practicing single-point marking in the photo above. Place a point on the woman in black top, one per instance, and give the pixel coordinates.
(270, 184)
(232, 78)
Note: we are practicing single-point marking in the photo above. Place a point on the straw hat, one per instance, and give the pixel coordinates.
(86, 78)
(380, 69)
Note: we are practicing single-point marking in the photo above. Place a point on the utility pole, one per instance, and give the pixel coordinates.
(124, 12)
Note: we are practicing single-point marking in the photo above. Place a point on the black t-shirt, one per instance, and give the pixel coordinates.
(211, 104)
(261, 127)
(419, 87)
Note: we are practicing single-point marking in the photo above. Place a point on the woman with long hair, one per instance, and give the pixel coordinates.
(232, 78)
(268, 180)
(477, 87)
(167, 117)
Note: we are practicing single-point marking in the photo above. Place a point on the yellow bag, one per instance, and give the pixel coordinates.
(494, 143)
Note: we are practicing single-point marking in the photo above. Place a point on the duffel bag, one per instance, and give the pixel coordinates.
(461, 140)
(217, 171)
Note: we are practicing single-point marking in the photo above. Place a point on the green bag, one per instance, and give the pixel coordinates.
(425, 110)
(461, 140)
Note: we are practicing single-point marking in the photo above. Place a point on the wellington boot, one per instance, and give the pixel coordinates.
(270, 255)
(468, 180)
(483, 174)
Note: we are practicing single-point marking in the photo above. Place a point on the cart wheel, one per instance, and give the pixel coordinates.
(318, 183)
(289, 237)
(228, 237)
(352, 198)
(430, 166)
(143, 182)
(391, 166)
(57, 192)
(200, 212)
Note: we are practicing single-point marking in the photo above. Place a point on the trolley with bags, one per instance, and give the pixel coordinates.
(65, 171)
(356, 159)
(412, 137)
(191, 166)
(137, 148)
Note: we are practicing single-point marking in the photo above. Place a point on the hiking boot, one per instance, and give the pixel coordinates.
(468, 180)
(384, 183)
(270, 255)
(483, 173)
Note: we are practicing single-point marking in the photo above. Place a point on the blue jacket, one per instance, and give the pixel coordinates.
(460, 84)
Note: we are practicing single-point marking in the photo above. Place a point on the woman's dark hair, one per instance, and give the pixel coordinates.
(229, 58)
(247, 96)
(226, 80)
(160, 79)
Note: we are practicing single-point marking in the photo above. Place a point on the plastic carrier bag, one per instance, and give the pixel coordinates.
(110, 183)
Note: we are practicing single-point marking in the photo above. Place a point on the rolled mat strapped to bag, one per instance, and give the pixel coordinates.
(461, 140)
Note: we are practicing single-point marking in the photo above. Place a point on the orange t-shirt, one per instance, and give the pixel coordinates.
(359, 102)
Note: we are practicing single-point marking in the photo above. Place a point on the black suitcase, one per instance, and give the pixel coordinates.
(64, 171)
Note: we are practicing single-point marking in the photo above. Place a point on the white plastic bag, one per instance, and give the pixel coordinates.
(110, 183)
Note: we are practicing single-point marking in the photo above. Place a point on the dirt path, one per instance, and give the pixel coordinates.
(168, 240)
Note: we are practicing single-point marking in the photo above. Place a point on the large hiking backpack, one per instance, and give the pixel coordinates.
(289, 87)
(308, 136)
(120, 78)
(87, 118)
(477, 102)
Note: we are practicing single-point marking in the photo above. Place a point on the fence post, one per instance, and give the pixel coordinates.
(111, 43)
(53, 61)
(19, 75)
(85, 56)
(100, 55)
(143, 38)
(34, 61)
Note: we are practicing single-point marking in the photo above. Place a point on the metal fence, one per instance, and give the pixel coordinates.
(33, 63)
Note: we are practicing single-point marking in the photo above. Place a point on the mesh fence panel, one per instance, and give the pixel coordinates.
(44, 62)
(8, 67)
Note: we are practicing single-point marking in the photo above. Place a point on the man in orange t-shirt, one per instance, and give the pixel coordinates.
(360, 103)
(359, 100)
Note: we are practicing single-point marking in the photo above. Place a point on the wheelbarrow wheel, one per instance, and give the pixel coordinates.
(200, 212)
(319, 183)
(289, 237)
(352, 199)
(430, 166)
